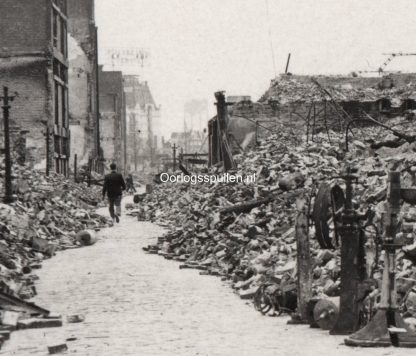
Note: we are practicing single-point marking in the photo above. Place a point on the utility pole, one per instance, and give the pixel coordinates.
(222, 119)
(287, 63)
(48, 158)
(75, 168)
(150, 133)
(135, 151)
(135, 133)
(97, 98)
(8, 196)
(136, 148)
(174, 148)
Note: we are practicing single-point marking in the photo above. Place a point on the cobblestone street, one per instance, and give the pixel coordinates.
(139, 304)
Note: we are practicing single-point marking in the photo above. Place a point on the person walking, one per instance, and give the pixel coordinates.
(113, 186)
(130, 184)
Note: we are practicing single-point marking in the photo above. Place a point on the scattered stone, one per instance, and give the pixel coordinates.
(76, 318)
(35, 323)
(86, 237)
(5, 334)
(55, 349)
(411, 322)
(217, 225)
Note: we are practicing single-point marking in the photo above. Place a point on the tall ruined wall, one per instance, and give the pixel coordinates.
(82, 140)
(31, 109)
(81, 18)
(108, 136)
(112, 115)
(26, 24)
(82, 78)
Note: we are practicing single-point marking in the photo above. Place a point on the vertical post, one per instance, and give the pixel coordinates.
(135, 151)
(308, 123)
(314, 121)
(352, 263)
(387, 327)
(97, 93)
(75, 168)
(388, 295)
(8, 196)
(304, 263)
(89, 171)
(47, 151)
(222, 117)
(326, 123)
(174, 156)
(124, 135)
(287, 63)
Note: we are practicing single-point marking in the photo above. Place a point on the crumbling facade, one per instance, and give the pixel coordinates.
(247, 122)
(312, 105)
(142, 113)
(190, 141)
(323, 102)
(34, 65)
(83, 80)
(112, 116)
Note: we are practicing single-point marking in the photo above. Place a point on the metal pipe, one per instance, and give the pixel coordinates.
(8, 196)
(97, 93)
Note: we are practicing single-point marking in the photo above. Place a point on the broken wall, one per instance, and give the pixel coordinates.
(142, 114)
(31, 108)
(24, 35)
(243, 117)
(82, 136)
(112, 116)
(82, 79)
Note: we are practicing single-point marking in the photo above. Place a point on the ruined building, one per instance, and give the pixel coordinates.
(299, 98)
(34, 64)
(192, 141)
(141, 113)
(113, 116)
(313, 104)
(83, 80)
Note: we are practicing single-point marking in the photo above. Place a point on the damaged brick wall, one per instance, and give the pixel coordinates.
(112, 115)
(143, 115)
(30, 55)
(243, 116)
(30, 110)
(82, 79)
(24, 35)
(23, 70)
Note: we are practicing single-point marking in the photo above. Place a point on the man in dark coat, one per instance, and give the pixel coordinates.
(114, 185)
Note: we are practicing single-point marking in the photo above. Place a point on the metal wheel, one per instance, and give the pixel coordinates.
(329, 202)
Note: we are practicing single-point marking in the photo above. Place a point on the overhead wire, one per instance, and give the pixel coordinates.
(270, 36)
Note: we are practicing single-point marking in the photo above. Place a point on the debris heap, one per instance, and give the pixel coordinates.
(246, 232)
(46, 216)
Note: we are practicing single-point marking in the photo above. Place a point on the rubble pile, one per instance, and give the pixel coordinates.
(287, 89)
(246, 232)
(46, 216)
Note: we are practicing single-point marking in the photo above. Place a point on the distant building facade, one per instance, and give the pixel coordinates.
(34, 63)
(83, 80)
(112, 116)
(190, 141)
(142, 115)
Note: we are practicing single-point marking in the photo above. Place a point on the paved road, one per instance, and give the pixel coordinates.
(138, 304)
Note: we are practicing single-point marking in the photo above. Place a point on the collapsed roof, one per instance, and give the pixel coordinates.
(287, 89)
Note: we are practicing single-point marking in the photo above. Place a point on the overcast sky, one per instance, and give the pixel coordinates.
(200, 46)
